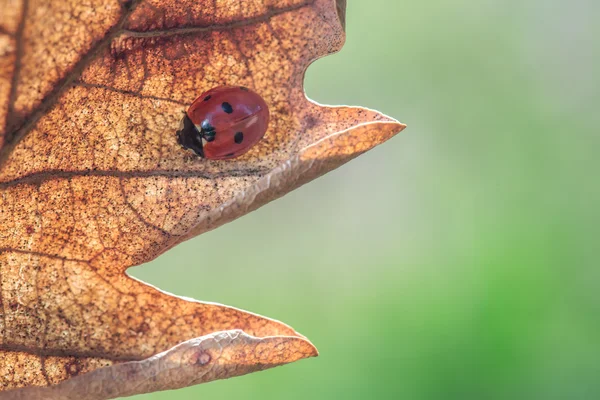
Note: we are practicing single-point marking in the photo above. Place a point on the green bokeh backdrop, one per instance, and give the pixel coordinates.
(460, 259)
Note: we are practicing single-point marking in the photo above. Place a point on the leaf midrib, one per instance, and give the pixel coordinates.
(38, 177)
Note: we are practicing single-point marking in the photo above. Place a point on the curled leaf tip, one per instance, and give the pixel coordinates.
(341, 11)
(220, 355)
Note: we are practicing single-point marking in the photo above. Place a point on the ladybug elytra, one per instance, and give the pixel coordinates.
(224, 123)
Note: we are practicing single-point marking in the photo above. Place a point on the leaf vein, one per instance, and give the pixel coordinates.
(216, 27)
(129, 93)
(37, 178)
(17, 70)
(8, 347)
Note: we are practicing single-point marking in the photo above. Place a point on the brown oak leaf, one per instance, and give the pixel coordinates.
(92, 181)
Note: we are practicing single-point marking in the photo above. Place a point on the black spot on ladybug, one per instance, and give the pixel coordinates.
(239, 137)
(227, 107)
(207, 98)
(229, 155)
(245, 89)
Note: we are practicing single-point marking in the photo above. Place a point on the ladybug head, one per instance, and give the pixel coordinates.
(189, 137)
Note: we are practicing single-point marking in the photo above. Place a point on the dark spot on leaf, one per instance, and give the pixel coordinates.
(239, 137)
(310, 122)
(203, 358)
(73, 367)
(127, 4)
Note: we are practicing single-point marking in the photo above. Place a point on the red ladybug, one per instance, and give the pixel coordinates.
(224, 123)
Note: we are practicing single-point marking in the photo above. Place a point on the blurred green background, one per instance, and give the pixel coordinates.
(460, 259)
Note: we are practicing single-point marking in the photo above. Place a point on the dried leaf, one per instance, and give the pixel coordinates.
(196, 361)
(92, 181)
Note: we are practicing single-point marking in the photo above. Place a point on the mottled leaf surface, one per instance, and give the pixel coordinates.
(92, 181)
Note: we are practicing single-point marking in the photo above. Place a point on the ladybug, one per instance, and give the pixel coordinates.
(224, 123)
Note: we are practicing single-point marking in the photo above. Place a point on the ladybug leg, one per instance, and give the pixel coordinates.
(209, 136)
(207, 131)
